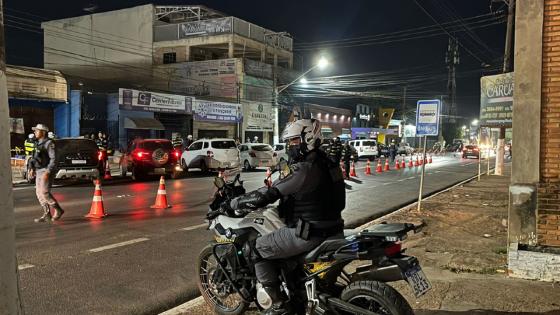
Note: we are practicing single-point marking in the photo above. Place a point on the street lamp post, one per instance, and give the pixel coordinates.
(321, 64)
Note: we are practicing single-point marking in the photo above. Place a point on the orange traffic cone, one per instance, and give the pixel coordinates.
(417, 162)
(97, 211)
(107, 171)
(430, 159)
(161, 198)
(387, 168)
(410, 163)
(403, 164)
(379, 168)
(353, 170)
(397, 164)
(368, 168)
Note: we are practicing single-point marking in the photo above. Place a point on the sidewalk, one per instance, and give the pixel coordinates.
(463, 252)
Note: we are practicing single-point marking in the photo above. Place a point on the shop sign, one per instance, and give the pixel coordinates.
(154, 102)
(496, 100)
(206, 27)
(258, 116)
(365, 117)
(216, 111)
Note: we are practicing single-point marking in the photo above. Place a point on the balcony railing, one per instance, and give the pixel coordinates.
(219, 26)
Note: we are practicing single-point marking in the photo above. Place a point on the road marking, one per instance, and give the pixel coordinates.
(413, 177)
(385, 184)
(194, 227)
(25, 266)
(185, 308)
(134, 241)
(401, 180)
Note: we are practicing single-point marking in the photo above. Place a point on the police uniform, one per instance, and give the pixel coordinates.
(44, 162)
(312, 198)
(334, 151)
(347, 158)
(29, 146)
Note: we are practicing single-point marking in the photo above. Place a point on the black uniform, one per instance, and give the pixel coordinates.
(347, 158)
(334, 151)
(312, 198)
(392, 150)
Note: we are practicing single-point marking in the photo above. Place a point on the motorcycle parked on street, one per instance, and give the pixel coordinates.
(316, 282)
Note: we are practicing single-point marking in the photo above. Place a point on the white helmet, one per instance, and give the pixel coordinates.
(189, 137)
(30, 136)
(308, 130)
(50, 134)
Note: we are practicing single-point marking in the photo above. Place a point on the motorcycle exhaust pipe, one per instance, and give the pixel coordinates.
(341, 305)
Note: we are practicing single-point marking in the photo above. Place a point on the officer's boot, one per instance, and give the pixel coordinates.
(58, 212)
(279, 305)
(46, 215)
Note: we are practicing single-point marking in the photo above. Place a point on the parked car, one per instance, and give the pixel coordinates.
(255, 155)
(280, 152)
(211, 154)
(149, 157)
(405, 148)
(471, 150)
(75, 158)
(365, 148)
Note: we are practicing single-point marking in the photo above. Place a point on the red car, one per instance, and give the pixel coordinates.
(150, 157)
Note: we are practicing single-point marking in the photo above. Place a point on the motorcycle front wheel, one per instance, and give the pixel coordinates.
(376, 297)
(221, 297)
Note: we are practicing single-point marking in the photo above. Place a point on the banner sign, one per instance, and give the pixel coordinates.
(496, 100)
(427, 117)
(16, 125)
(258, 116)
(154, 102)
(206, 27)
(216, 112)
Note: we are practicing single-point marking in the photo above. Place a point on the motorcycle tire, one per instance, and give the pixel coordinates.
(201, 266)
(367, 294)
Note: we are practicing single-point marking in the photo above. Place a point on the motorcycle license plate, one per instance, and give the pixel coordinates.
(417, 280)
(79, 161)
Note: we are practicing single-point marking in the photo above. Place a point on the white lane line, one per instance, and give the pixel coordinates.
(194, 227)
(185, 307)
(401, 180)
(413, 177)
(134, 241)
(25, 266)
(385, 184)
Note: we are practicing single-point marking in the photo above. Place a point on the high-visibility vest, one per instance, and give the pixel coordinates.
(29, 147)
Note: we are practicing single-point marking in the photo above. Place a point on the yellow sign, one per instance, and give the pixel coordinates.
(385, 116)
(381, 138)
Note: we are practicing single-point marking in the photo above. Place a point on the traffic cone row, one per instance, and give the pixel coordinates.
(161, 198)
(353, 170)
(397, 164)
(379, 168)
(107, 175)
(97, 211)
(387, 167)
(403, 164)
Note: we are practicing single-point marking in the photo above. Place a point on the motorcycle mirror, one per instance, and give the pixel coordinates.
(219, 182)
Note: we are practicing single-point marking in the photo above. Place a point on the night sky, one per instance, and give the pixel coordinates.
(311, 21)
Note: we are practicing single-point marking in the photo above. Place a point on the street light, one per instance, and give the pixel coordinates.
(464, 127)
(322, 63)
(474, 122)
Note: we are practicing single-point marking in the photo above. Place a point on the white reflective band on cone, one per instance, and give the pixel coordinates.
(161, 192)
(97, 198)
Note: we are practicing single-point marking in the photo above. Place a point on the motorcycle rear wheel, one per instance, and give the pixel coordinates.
(376, 297)
(221, 302)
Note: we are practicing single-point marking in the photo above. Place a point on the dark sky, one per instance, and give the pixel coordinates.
(309, 21)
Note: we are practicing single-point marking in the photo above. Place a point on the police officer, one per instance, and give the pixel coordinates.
(312, 197)
(188, 142)
(42, 168)
(347, 156)
(30, 144)
(393, 150)
(177, 142)
(334, 151)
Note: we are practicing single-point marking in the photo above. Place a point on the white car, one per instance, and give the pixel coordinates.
(255, 155)
(280, 152)
(366, 148)
(211, 154)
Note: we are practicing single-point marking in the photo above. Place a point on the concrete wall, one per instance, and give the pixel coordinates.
(114, 45)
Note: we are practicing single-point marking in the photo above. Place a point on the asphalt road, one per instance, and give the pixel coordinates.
(141, 261)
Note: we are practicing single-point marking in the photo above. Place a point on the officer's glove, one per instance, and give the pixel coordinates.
(234, 205)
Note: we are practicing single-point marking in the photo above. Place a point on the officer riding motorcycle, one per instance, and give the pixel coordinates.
(312, 197)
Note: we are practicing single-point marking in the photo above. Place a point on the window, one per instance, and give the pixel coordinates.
(154, 145)
(226, 144)
(369, 143)
(279, 147)
(261, 148)
(206, 144)
(195, 146)
(242, 148)
(169, 57)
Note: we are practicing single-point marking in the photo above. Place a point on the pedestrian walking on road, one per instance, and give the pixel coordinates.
(42, 168)
(347, 157)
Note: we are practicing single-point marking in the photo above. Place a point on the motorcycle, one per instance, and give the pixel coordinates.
(322, 281)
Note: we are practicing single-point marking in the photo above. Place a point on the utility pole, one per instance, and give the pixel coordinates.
(499, 170)
(10, 302)
(451, 60)
(403, 116)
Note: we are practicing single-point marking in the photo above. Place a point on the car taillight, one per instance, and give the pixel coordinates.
(393, 249)
(252, 154)
(210, 154)
(140, 154)
(177, 154)
(100, 155)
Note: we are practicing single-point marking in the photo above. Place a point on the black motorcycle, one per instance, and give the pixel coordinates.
(323, 281)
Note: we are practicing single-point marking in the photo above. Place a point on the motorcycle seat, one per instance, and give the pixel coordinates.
(331, 244)
(388, 230)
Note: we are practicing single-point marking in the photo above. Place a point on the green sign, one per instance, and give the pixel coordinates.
(496, 100)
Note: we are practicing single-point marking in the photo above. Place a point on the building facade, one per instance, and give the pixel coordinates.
(534, 209)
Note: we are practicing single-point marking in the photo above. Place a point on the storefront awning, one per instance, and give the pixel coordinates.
(143, 123)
